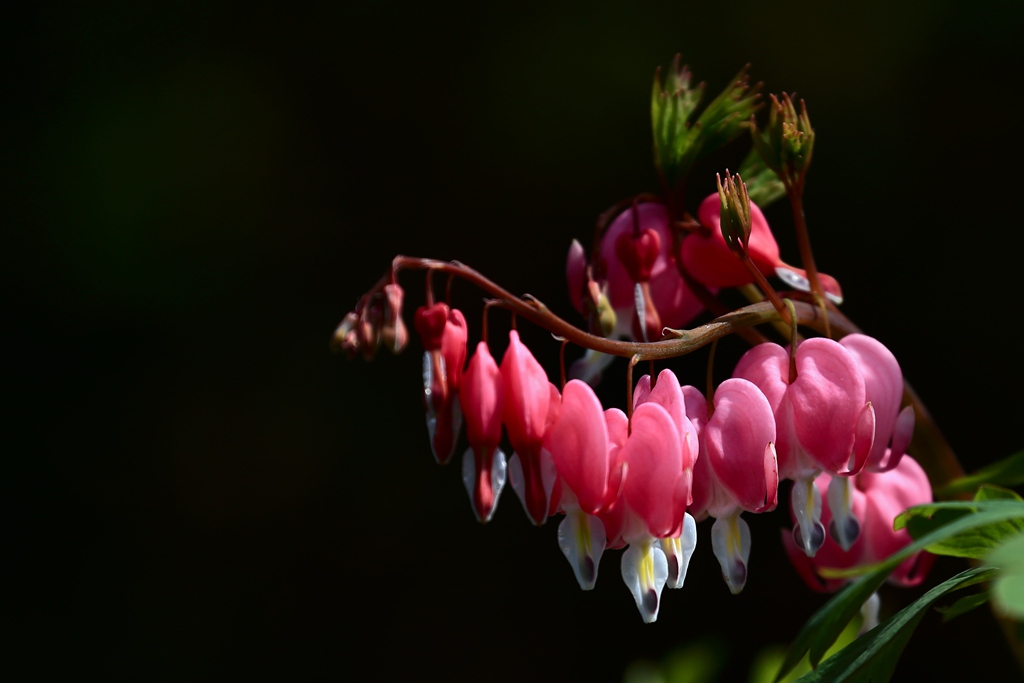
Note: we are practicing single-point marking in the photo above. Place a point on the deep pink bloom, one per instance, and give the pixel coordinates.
(483, 402)
(877, 500)
(443, 333)
(584, 454)
(674, 303)
(531, 407)
(708, 258)
(823, 420)
(883, 386)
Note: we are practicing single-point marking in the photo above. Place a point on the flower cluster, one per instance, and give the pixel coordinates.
(825, 413)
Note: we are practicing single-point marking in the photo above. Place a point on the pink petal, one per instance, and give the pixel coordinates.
(483, 400)
(576, 274)
(653, 455)
(883, 387)
(738, 437)
(578, 441)
(827, 398)
(528, 396)
(709, 259)
(675, 303)
(453, 347)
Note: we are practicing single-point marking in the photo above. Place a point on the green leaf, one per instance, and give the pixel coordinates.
(993, 492)
(964, 605)
(1008, 588)
(976, 543)
(763, 185)
(827, 623)
(873, 657)
(1006, 472)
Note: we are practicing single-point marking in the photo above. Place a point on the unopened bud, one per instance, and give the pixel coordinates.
(735, 212)
(787, 142)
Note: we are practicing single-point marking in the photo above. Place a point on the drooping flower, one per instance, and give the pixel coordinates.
(878, 498)
(531, 407)
(659, 455)
(736, 470)
(483, 401)
(707, 257)
(883, 387)
(822, 418)
(667, 393)
(675, 304)
(443, 333)
(584, 453)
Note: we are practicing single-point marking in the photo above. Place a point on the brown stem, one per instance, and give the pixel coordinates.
(803, 239)
(930, 447)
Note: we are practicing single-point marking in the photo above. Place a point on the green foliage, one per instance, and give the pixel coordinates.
(822, 629)
(768, 661)
(964, 605)
(763, 184)
(680, 142)
(1008, 588)
(873, 656)
(1006, 472)
(976, 543)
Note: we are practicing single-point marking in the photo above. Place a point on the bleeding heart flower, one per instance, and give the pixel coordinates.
(443, 333)
(822, 418)
(659, 454)
(877, 499)
(708, 258)
(483, 402)
(584, 453)
(531, 407)
(669, 296)
(736, 469)
(883, 386)
(667, 393)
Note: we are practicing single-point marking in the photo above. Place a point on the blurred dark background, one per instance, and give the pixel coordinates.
(196, 193)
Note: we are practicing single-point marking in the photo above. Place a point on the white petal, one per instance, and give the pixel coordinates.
(678, 551)
(730, 540)
(582, 540)
(645, 571)
(518, 481)
(805, 500)
(845, 527)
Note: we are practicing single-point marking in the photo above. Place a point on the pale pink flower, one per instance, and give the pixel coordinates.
(736, 470)
(823, 420)
(878, 498)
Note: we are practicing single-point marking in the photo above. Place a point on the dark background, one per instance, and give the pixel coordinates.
(196, 193)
